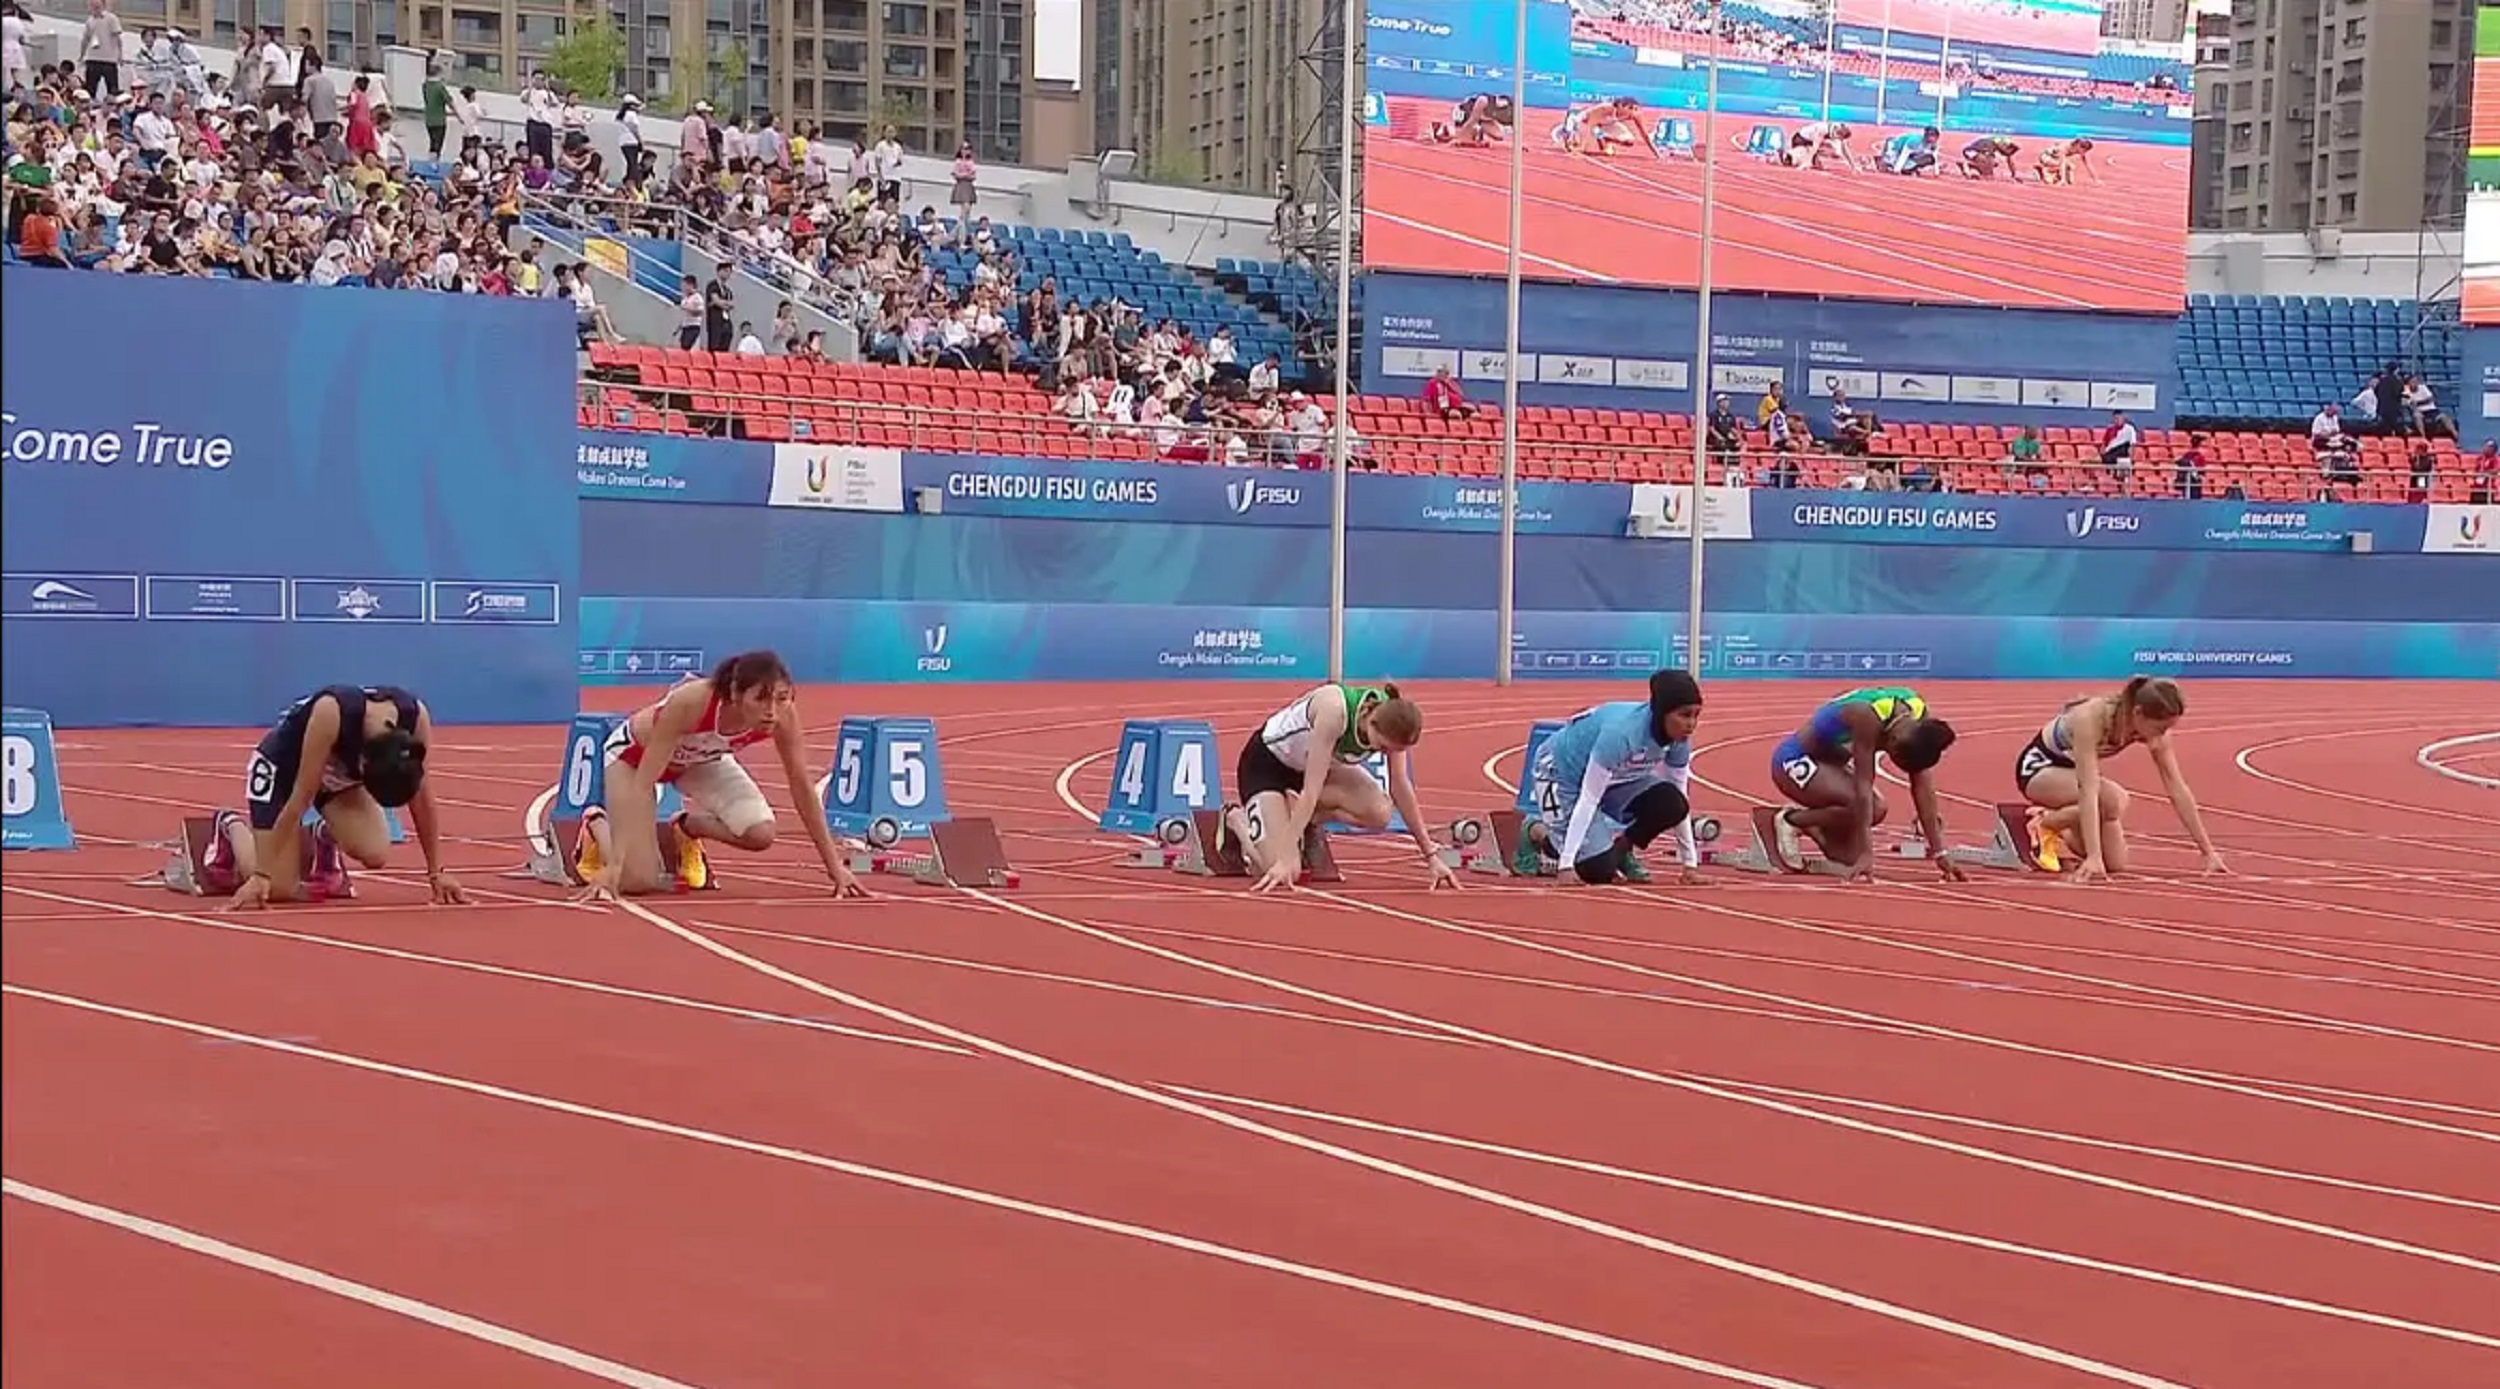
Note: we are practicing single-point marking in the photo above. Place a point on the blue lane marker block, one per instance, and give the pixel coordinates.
(1526, 802)
(583, 781)
(1165, 769)
(887, 782)
(31, 816)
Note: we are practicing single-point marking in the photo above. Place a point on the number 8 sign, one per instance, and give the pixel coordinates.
(30, 784)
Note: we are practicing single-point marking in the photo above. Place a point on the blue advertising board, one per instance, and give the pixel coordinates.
(672, 468)
(1905, 518)
(317, 500)
(1632, 349)
(862, 640)
(2478, 386)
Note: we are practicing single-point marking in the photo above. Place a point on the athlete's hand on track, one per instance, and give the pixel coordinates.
(1862, 871)
(251, 897)
(445, 889)
(1691, 877)
(1953, 872)
(846, 884)
(1442, 873)
(2091, 870)
(601, 887)
(1279, 874)
(2215, 867)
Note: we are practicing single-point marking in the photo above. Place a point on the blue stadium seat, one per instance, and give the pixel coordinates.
(2276, 359)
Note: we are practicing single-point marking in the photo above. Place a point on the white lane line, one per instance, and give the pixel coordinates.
(1078, 981)
(561, 981)
(1847, 1217)
(930, 1186)
(442, 1318)
(2428, 756)
(1696, 1085)
(1418, 1176)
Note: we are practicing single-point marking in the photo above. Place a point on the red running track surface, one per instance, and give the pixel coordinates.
(1632, 219)
(1122, 1128)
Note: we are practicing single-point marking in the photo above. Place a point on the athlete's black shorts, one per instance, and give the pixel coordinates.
(1260, 771)
(270, 778)
(2036, 757)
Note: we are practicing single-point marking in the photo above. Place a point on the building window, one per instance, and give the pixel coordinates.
(907, 60)
(906, 19)
(846, 96)
(846, 55)
(847, 16)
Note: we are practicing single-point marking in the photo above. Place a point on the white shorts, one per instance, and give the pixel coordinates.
(720, 788)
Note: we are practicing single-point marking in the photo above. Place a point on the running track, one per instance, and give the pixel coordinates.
(1635, 220)
(1125, 1130)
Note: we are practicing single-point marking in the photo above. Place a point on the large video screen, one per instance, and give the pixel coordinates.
(1937, 151)
(2482, 173)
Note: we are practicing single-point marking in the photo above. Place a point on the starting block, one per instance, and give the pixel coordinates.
(1164, 771)
(1209, 852)
(1487, 843)
(2009, 844)
(961, 853)
(197, 867)
(555, 824)
(1765, 854)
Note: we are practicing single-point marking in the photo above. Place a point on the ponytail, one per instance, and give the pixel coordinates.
(1397, 718)
(1389, 689)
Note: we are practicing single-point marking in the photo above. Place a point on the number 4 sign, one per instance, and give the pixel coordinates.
(1163, 769)
(30, 784)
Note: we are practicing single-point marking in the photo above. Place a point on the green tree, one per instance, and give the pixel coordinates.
(729, 78)
(1173, 166)
(588, 58)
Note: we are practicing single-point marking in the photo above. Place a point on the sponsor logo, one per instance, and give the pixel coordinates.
(1244, 496)
(1067, 488)
(359, 602)
(52, 595)
(2470, 528)
(2091, 520)
(933, 657)
(1233, 647)
(487, 603)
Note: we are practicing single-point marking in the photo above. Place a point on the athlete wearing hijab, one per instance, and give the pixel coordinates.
(1614, 779)
(2059, 771)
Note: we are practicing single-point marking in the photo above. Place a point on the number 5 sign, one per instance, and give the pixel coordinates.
(885, 769)
(30, 784)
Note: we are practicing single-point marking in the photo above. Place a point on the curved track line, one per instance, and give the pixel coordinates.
(2428, 756)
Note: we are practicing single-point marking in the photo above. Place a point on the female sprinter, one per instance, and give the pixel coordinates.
(691, 738)
(1304, 768)
(2059, 771)
(1828, 769)
(346, 752)
(1627, 764)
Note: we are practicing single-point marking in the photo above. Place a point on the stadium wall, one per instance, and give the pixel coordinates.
(1010, 569)
(1632, 349)
(318, 486)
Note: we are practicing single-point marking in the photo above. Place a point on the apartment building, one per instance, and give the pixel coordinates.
(1212, 92)
(2145, 21)
(2339, 113)
(938, 71)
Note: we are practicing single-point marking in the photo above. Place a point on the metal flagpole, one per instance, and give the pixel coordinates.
(1944, 69)
(1883, 66)
(1831, 53)
(1701, 351)
(1349, 92)
(1505, 620)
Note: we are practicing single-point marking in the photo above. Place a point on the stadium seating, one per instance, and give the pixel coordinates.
(663, 390)
(2250, 360)
(1092, 265)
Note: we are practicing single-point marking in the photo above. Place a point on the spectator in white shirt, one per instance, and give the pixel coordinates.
(1264, 376)
(749, 345)
(538, 118)
(2326, 428)
(2118, 444)
(889, 165)
(1223, 356)
(279, 70)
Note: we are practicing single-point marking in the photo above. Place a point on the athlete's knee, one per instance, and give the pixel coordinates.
(1880, 811)
(1654, 812)
(1600, 868)
(1366, 813)
(755, 838)
(2114, 800)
